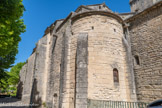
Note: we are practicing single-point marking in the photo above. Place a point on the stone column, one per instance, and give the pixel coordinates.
(81, 71)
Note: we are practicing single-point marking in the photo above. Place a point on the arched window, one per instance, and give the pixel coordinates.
(136, 60)
(116, 75)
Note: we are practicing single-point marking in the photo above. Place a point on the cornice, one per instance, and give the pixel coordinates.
(89, 13)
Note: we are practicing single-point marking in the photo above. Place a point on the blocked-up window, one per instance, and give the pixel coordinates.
(116, 75)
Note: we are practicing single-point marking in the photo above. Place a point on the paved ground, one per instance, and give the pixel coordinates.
(11, 103)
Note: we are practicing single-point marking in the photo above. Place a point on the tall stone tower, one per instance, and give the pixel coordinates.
(140, 5)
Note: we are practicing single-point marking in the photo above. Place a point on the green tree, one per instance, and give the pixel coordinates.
(11, 80)
(3, 80)
(4, 64)
(11, 26)
(14, 74)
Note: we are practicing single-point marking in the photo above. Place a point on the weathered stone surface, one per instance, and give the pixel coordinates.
(50, 72)
(22, 81)
(146, 40)
(81, 67)
(27, 88)
(140, 5)
(75, 59)
(39, 71)
(105, 52)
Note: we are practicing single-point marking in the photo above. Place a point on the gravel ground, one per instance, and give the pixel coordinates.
(11, 103)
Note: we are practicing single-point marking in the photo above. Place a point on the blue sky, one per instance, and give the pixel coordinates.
(40, 14)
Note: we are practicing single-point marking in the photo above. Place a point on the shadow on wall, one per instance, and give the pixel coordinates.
(19, 90)
(36, 100)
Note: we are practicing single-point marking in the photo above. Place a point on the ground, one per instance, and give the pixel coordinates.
(11, 103)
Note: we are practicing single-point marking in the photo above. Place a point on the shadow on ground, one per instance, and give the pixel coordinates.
(35, 99)
(11, 103)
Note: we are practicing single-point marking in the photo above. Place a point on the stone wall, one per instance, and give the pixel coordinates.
(39, 71)
(33, 75)
(81, 73)
(58, 83)
(50, 73)
(67, 69)
(27, 88)
(79, 57)
(146, 38)
(105, 52)
(21, 81)
(140, 5)
(53, 82)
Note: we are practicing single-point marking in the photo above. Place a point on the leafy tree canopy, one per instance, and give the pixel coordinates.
(11, 26)
(14, 73)
(9, 80)
(3, 79)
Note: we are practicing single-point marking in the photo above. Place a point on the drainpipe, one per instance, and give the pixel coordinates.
(127, 42)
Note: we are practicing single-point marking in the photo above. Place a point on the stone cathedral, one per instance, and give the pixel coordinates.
(97, 54)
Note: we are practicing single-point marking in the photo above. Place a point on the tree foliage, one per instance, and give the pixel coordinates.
(3, 79)
(9, 80)
(11, 26)
(4, 64)
(14, 73)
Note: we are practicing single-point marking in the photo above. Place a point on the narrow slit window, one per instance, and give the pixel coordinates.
(137, 61)
(116, 75)
(114, 30)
